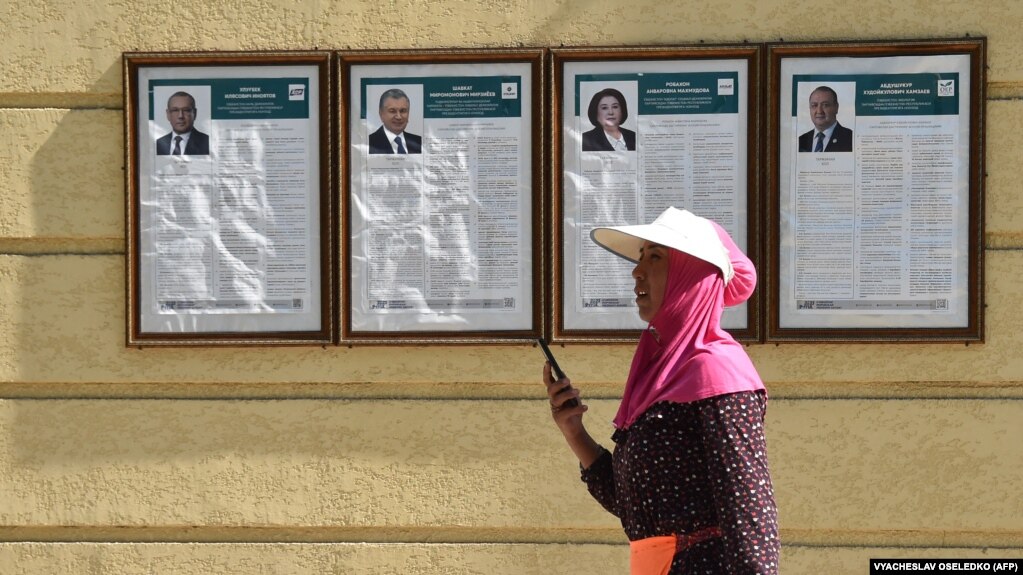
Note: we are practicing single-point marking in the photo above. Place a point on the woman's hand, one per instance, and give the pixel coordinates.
(569, 418)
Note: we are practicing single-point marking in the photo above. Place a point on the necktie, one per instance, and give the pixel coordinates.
(820, 143)
(177, 146)
(401, 148)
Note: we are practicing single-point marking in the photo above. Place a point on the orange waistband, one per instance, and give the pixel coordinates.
(653, 555)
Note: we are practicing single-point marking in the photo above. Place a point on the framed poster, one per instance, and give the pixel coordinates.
(229, 208)
(682, 133)
(443, 174)
(876, 191)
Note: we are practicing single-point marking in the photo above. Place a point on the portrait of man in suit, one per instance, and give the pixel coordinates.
(827, 134)
(391, 137)
(184, 139)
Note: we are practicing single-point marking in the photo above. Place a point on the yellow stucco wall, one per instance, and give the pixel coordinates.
(440, 460)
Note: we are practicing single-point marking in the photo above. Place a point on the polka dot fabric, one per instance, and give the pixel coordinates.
(684, 467)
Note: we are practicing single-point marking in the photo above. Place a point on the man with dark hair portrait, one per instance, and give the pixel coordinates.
(827, 134)
(391, 137)
(184, 139)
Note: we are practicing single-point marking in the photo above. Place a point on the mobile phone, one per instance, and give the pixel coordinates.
(555, 368)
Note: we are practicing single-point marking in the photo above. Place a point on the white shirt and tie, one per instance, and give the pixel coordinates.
(179, 142)
(821, 139)
(397, 142)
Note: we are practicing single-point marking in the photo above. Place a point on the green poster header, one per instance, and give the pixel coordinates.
(891, 94)
(694, 93)
(907, 95)
(458, 96)
(263, 98)
(246, 98)
(674, 93)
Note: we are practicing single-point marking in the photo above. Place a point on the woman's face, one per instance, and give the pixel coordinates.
(651, 275)
(609, 113)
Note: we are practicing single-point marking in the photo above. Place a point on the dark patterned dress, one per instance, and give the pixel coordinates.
(683, 468)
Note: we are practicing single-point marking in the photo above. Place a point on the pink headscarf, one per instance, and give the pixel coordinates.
(687, 356)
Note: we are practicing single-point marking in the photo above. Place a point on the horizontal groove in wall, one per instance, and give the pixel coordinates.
(1003, 241)
(474, 390)
(62, 246)
(907, 538)
(902, 538)
(63, 100)
(1005, 90)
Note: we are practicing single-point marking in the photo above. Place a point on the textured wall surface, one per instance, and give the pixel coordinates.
(440, 460)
